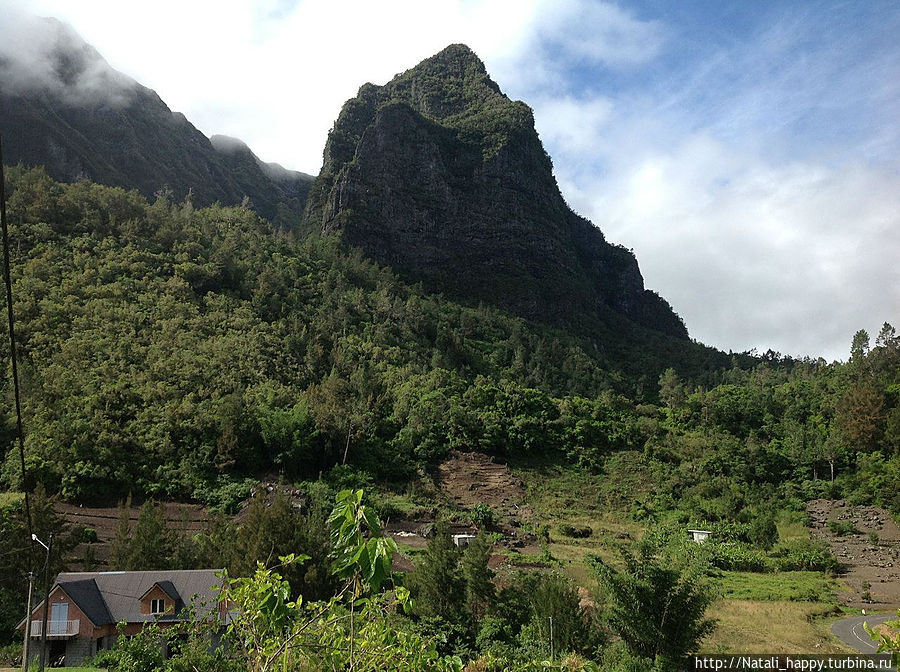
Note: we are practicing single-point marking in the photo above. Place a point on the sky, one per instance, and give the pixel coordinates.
(748, 152)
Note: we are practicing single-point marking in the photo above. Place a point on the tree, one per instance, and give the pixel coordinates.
(859, 346)
(887, 337)
(656, 608)
(478, 577)
(436, 583)
(153, 544)
(671, 390)
(150, 545)
(859, 415)
(557, 616)
(273, 527)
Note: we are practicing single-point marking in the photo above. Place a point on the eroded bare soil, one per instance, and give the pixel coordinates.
(870, 553)
(474, 478)
(464, 480)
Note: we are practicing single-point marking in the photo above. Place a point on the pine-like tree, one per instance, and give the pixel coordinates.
(656, 608)
(478, 577)
(436, 582)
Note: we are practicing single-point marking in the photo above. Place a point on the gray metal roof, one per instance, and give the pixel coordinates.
(121, 592)
(87, 597)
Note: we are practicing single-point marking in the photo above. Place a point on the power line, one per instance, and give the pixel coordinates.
(12, 352)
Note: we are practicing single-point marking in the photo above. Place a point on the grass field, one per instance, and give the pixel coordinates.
(777, 587)
(756, 626)
(779, 612)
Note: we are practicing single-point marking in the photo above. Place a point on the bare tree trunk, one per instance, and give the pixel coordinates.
(347, 447)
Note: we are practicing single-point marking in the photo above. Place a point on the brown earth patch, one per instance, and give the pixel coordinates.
(468, 479)
(872, 569)
(464, 480)
(186, 518)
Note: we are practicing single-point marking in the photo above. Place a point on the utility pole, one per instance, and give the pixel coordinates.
(49, 547)
(15, 374)
(27, 623)
(551, 639)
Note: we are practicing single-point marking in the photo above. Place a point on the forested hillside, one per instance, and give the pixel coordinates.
(172, 351)
(168, 350)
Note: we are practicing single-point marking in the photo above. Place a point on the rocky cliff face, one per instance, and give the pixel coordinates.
(65, 108)
(441, 176)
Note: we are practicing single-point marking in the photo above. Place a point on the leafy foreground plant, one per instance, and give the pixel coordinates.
(351, 631)
(886, 642)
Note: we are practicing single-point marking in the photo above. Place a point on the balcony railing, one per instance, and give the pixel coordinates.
(56, 628)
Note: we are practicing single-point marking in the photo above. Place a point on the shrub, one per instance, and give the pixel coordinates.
(738, 557)
(11, 655)
(575, 531)
(482, 516)
(842, 528)
(224, 494)
(762, 531)
(805, 555)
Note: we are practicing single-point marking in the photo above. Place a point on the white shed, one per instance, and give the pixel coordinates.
(699, 536)
(464, 539)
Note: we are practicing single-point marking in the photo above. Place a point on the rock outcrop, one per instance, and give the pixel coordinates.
(441, 176)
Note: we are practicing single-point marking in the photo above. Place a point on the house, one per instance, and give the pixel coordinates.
(86, 607)
(699, 536)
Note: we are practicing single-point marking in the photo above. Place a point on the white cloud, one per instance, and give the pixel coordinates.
(599, 33)
(573, 126)
(275, 74)
(794, 257)
(30, 60)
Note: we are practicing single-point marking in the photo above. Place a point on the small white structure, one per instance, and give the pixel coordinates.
(699, 536)
(464, 539)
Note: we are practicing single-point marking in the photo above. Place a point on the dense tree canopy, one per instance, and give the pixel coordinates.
(168, 351)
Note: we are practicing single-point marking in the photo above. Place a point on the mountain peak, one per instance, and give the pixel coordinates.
(456, 58)
(441, 176)
(47, 56)
(451, 83)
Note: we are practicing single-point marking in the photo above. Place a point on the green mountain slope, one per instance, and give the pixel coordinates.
(84, 120)
(165, 348)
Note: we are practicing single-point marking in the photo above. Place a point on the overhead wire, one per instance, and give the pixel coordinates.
(12, 355)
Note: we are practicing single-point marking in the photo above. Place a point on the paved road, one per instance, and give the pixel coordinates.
(851, 632)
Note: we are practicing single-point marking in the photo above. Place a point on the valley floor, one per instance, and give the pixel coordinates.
(536, 508)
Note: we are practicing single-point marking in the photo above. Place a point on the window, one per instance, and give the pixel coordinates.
(157, 606)
(59, 618)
